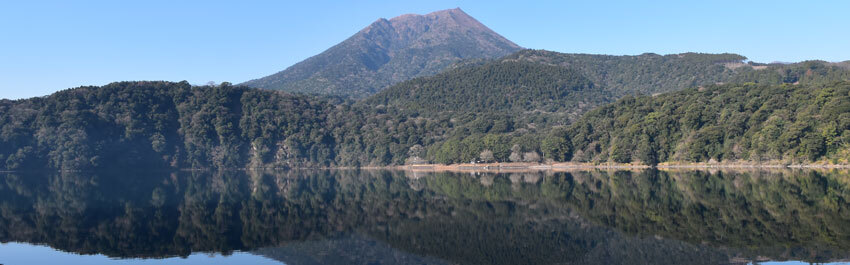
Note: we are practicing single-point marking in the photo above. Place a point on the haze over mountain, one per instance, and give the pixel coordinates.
(391, 51)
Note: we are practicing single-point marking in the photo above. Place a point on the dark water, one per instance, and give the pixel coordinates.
(396, 217)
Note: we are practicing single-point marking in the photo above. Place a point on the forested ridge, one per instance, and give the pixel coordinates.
(526, 107)
(650, 73)
(176, 125)
(746, 122)
(504, 86)
(165, 124)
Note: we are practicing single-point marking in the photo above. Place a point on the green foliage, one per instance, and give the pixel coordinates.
(161, 124)
(175, 125)
(641, 74)
(513, 87)
(557, 147)
(518, 101)
(649, 73)
(806, 72)
(793, 123)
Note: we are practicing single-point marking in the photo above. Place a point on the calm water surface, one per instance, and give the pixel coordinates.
(397, 217)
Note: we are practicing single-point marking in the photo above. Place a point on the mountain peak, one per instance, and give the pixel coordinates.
(389, 51)
(455, 10)
(454, 13)
(449, 18)
(441, 13)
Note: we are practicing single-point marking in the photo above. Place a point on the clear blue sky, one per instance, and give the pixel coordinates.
(47, 46)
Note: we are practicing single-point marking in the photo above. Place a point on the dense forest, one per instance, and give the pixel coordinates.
(176, 125)
(649, 73)
(526, 107)
(497, 87)
(641, 74)
(749, 122)
(164, 124)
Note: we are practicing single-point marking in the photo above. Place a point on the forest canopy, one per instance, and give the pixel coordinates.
(532, 106)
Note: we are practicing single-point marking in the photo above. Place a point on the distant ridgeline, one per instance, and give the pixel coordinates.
(527, 106)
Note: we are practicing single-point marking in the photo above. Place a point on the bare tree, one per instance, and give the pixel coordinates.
(487, 156)
(531, 157)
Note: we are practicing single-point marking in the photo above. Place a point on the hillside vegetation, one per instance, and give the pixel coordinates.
(505, 86)
(526, 107)
(752, 122)
(641, 74)
(650, 73)
(165, 124)
(152, 124)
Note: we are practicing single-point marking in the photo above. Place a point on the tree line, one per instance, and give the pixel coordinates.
(527, 107)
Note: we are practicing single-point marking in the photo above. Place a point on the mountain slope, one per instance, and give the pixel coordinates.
(639, 74)
(560, 85)
(176, 125)
(160, 124)
(551, 88)
(570, 84)
(651, 73)
(517, 108)
(390, 51)
(748, 122)
(503, 86)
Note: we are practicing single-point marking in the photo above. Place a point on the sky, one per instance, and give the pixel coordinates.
(46, 46)
(21, 253)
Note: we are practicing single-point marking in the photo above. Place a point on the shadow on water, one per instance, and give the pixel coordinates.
(398, 217)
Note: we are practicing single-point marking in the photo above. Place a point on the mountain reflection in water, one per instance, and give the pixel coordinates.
(402, 217)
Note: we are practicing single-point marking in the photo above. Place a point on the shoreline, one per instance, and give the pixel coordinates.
(514, 167)
(511, 167)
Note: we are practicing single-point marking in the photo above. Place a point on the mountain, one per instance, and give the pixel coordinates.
(561, 85)
(564, 86)
(523, 107)
(390, 51)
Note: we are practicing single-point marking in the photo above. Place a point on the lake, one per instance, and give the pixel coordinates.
(405, 217)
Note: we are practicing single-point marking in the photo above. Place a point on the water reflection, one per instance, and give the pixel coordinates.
(398, 217)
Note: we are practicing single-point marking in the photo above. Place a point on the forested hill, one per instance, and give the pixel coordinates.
(519, 108)
(156, 124)
(644, 74)
(498, 87)
(390, 51)
(176, 125)
(741, 122)
(650, 73)
(545, 89)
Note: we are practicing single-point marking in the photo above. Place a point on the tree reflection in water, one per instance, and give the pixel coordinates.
(398, 217)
